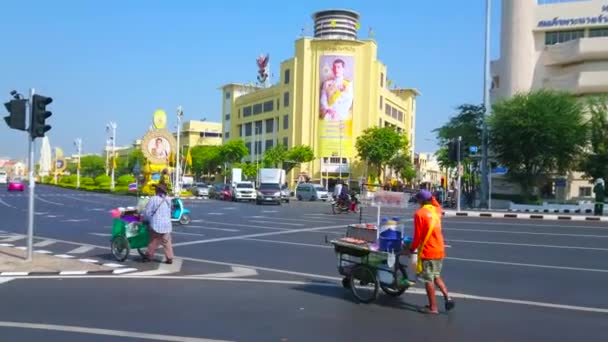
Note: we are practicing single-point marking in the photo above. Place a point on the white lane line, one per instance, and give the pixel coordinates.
(484, 223)
(530, 245)
(252, 236)
(101, 234)
(164, 268)
(43, 252)
(21, 248)
(229, 208)
(243, 225)
(75, 220)
(530, 265)
(64, 256)
(527, 233)
(217, 214)
(124, 270)
(44, 243)
(73, 272)
(416, 291)
(13, 238)
(81, 250)
(113, 265)
(277, 219)
(270, 211)
(105, 332)
(236, 272)
(283, 223)
(5, 280)
(49, 202)
(213, 228)
(290, 243)
(91, 261)
(6, 245)
(6, 204)
(191, 234)
(14, 273)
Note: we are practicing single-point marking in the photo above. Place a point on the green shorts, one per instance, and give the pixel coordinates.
(431, 269)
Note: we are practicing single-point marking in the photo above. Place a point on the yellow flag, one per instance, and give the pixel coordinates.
(189, 159)
(114, 162)
(357, 26)
(333, 23)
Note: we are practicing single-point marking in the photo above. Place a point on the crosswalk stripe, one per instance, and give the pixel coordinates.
(81, 250)
(44, 243)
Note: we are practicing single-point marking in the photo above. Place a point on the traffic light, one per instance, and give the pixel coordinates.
(453, 150)
(16, 110)
(442, 182)
(38, 126)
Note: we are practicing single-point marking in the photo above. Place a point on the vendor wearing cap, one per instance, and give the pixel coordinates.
(158, 214)
(428, 240)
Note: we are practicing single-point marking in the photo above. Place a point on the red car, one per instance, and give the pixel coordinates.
(16, 184)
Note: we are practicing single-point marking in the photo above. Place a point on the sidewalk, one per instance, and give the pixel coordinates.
(12, 263)
(535, 216)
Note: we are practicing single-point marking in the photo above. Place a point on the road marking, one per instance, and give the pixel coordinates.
(192, 234)
(44, 243)
(105, 332)
(527, 233)
(101, 234)
(304, 219)
(43, 252)
(92, 261)
(124, 270)
(49, 202)
(73, 272)
(6, 204)
(236, 272)
(5, 280)
(244, 225)
(6, 245)
(21, 248)
(484, 222)
(289, 243)
(283, 223)
(252, 236)
(213, 228)
(530, 245)
(75, 220)
(14, 273)
(64, 256)
(113, 265)
(81, 250)
(215, 214)
(164, 268)
(13, 238)
(531, 265)
(270, 211)
(229, 208)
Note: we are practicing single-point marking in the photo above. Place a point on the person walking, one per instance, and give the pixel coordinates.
(428, 241)
(158, 215)
(600, 195)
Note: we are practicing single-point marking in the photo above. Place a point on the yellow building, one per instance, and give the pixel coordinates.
(327, 95)
(199, 133)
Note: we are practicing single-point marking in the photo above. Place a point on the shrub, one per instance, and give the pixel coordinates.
(125, 180)
(102, 180)
(86, 181)
(71, 179)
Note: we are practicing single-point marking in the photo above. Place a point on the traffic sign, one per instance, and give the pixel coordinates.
(500, 170)
(473, 149)
(560, 182)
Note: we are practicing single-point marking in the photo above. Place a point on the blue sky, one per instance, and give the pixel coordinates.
(122, 60)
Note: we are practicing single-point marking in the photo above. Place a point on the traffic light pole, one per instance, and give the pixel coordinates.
(484, 201)
(459, 176)
(32, 185)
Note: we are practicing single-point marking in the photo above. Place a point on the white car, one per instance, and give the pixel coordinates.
(243, 191)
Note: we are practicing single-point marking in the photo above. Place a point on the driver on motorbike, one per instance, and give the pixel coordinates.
(343, 197)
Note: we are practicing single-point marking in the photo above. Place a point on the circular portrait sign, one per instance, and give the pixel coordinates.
(158, 146)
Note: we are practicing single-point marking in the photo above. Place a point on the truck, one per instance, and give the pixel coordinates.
(271, 181)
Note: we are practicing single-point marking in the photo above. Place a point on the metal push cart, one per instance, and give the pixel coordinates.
(128, 232)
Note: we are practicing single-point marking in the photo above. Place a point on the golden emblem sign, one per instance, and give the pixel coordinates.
(160, 119)
(158, 146)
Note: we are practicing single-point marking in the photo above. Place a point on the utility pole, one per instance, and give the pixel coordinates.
(340, 154)
(484, 193)
(178, 162)
(111, 127)
(78, 144)
(32, 183)
(459, 175)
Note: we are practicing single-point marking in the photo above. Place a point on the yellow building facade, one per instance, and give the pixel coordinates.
(200, 133)
(327, 95)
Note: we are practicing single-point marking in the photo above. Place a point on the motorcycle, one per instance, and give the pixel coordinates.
(179, 213)
(338, 206)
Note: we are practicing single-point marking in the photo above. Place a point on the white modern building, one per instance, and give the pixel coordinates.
(554, 44)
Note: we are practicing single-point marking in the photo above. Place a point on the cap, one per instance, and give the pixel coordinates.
(161, 187)
(424, 195)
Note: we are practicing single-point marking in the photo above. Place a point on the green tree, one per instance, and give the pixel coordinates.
(233, 151)
(298, 155)
(537, 134)
(595, 161)
(378, 145)
(92, 166)
(468, 124)
(275, 156)
(205, 159)
(402, 165)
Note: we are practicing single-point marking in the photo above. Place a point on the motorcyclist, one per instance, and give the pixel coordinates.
(344, 197)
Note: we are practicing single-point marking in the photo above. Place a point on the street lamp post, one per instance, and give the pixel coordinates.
(178, 163)
(340, 154)
(484, 193)
(111, 128)
(78, 144)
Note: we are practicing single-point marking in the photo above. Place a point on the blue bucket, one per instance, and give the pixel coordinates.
(390, 245)
(391, 234)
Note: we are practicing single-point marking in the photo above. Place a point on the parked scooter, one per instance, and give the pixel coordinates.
(179, 213)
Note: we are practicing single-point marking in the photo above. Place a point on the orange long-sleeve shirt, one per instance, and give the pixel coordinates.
(434, 247)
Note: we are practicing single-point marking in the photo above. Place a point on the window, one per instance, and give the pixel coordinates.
(270, 126)
(248, 145)
(247, 111)
(269, 143)
(268, 106)
(400, 116)
(258, 127)
(584, 191)
(248, 129)
(227, 135)
(239, 113)
(227, 95)
(286, 76)
(258, 147)
(227, 117)
(334, 160)
(556, 37)
(257, 108)
(286, 99)
(379, 122)
(387, 110)
(381, 79)
(240, 128)
(286, 142)
(598, 32)
(210, 134)
(285, 121)
(394, 113)
(381, 102)
(278, 104)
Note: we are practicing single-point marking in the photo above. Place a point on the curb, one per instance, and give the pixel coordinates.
(524, 216)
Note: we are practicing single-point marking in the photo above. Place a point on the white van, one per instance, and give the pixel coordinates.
(311, 192)
(3, 177)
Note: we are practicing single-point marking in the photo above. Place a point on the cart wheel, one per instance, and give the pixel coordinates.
(120, 247)
(346, 283)
(395, 289)
(142, 252)
(364, 284)
(185, 219)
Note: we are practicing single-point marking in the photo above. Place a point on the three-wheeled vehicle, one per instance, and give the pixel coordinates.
(179, 213)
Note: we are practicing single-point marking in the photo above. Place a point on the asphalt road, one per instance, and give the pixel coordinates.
(513, 279)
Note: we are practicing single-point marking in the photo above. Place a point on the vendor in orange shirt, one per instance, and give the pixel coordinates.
(428, 240)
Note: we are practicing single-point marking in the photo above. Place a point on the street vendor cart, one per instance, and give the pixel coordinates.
(367, 266)
(128, 232)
